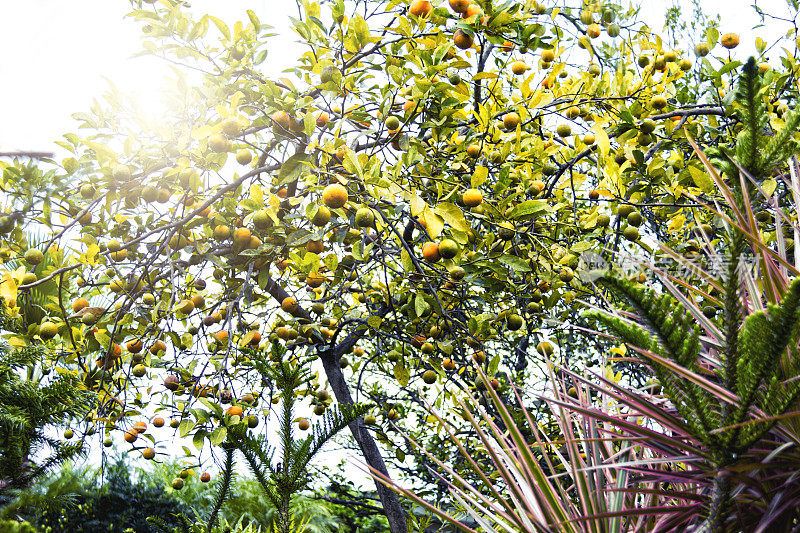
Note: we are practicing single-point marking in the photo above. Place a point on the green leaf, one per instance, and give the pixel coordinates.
(528, 208)
(218, 435)
(517, 263)
(420, 305)
(351, 163)
(221, 26)
(185, 427)
(452, 215)
(701, 179)
(401, 373)
(292, 168)
(479, 176)
(374, 321)
(254, 19)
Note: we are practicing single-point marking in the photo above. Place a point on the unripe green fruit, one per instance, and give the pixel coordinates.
(364, 217)
(631, 233)
(243, 157)
(33, 256)
(635, 218)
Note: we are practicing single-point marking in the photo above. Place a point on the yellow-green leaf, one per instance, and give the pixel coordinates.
(452, 215)
(479, 176)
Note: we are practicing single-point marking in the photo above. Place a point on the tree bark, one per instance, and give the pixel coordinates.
(391, 503)
(369, 449)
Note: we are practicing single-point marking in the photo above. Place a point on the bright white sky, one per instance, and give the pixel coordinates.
(56, 56)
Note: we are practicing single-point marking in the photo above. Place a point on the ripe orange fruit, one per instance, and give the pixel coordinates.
(334, 196)
(462, 39)
(158, 422)
(289, 305)
(221, 336)
(315, 279)
(315, 247)
(222, 232)
(172, 382)
(185, 306)
(241, 237)
(474, 151)
(430, 251)
(256, 338)
(409, 106)
(448, 364)
(420, 8)
(198, 301)
(158, 347)
(729, 41)
(234, 410)
(593, 31)
(303, 424)
(459, 6)
(283, 333)
(472, 10)
(79, 304)
(135, 346)
(131, 435)
(282, 119)
(472, 198)
(205, 477)
(140, 427)
(322, 119)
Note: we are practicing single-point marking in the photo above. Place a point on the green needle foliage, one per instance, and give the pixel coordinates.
(758, 149)
(734, 408)
(30, 407)
(669, 333)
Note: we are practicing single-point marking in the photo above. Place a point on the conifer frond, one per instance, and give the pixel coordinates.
(334, 421)
(782, 145)
(676, 330)
(224, 488)
(671, 333)
(753, 114)
(159, 524)
(763, 340)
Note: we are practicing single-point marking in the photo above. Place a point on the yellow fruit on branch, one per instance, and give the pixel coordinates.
(459, 6)
(430, 252)
(519, 68)
(472, 198)
(334, 196)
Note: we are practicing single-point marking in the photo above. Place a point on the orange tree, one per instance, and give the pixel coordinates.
(414, 195)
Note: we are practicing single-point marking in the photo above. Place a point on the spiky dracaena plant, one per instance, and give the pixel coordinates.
(730, 391)
(281, 471)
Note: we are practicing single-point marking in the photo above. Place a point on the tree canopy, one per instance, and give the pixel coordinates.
(424, 190)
